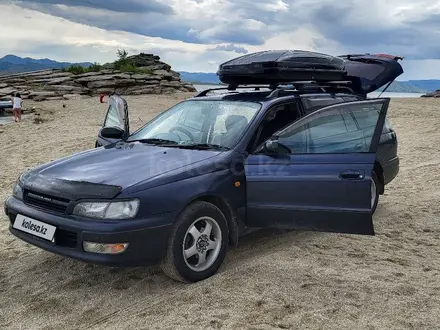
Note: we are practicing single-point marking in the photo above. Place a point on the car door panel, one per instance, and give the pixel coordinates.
(323, 191)
(117, 116)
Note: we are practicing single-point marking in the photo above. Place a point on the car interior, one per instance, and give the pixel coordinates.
(234, 125)
(275, 119)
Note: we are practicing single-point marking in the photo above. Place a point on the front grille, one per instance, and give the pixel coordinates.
(46, 202)
(66, 238)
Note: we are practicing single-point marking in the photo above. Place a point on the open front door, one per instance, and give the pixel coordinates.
(116, 123)
(318, 177)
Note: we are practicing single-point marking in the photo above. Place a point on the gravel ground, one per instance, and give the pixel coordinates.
(272, 280)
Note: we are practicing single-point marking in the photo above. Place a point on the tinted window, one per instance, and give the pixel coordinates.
(333, 131)
(365, 119)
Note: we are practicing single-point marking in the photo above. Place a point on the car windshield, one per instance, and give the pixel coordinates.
(199, 124)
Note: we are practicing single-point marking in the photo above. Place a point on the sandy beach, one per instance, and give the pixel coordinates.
(272, 280)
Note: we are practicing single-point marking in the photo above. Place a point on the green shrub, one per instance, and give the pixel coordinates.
(147, 71)
(127, 67)
(76, 69)
(95, 67)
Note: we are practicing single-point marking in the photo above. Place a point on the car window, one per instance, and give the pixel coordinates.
(193, 118)
(192, 122)
(332, 131)
(365, 119)
(115, 115)
(327, 126)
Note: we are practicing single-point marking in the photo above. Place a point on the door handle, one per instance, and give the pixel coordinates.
(352, 175)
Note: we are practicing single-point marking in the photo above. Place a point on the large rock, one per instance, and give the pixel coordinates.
(7, 91)
(72, 96)
(163, 73)
(146, 76)
(111, 83)
(94, 78)
(166, 83)
(67, 89)
(151, 77)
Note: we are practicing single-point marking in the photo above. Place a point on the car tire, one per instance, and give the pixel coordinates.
(200, 232)
(375, 188)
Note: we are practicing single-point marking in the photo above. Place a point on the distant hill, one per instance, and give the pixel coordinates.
(428, 85)
(411, 86)
(404, 87)
(16, 64)
(200, 77)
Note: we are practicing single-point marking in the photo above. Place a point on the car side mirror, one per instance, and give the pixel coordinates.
(112, 133)
(271, 145)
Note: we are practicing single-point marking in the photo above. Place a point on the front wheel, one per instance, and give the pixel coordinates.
(198, 243)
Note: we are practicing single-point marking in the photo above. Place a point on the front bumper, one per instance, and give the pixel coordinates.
(147, 238)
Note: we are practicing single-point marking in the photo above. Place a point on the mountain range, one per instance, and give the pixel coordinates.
(16, 64)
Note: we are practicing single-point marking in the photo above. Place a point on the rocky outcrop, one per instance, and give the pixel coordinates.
(150, 76)
(432, 94)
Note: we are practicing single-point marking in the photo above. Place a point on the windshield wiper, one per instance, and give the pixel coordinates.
(201, 146)
(155, 141)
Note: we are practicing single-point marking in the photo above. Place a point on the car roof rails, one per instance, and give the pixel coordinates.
(232, 87)
(303, 86)
(296, 87)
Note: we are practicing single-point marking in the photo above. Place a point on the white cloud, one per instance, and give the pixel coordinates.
(82, 33)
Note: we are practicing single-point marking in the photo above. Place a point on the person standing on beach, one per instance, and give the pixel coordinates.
(17, 102)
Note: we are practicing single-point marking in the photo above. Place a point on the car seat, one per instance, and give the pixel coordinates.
(234, 124)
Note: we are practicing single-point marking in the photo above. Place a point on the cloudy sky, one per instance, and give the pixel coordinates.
(198, 35)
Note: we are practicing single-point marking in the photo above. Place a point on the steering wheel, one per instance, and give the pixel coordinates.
(182, 130)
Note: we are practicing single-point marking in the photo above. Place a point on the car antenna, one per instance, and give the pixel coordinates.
(140, 120)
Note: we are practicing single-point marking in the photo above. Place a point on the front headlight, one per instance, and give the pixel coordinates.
(108, 210)
(17, 191)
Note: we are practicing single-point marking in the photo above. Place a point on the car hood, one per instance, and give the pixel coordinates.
(120, 165)
(369, 72)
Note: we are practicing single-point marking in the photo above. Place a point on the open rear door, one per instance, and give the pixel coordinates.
(369, 72)
(116, 124)
(318, 174)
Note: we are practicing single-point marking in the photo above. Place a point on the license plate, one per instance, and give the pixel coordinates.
(34, 227)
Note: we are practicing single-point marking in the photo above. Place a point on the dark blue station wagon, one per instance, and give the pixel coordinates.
(192, 180)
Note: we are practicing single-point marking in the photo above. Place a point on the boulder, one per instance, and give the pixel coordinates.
(72, 96)
(7, 91)
(189, 88)
(41, 96)
(111, 83)
(94, 78)
(146, 76)
(163, 73)
(166, 83)
(66, 89)
(56, 81)
(152, 77)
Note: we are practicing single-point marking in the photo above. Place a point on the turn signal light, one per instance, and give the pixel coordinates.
(103, 248)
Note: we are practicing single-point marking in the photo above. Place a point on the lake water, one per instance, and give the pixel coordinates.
(371, 95)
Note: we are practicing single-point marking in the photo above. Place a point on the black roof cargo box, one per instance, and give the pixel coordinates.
(278, 66)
